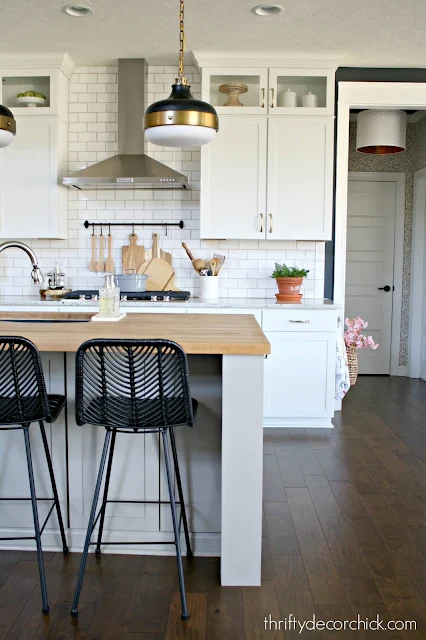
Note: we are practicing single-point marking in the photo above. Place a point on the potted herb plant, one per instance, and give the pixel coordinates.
(289, 281)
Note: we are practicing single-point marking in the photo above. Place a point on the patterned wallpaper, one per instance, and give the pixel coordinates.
(409, 161)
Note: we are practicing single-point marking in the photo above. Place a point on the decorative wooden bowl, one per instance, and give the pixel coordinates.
(233, 90)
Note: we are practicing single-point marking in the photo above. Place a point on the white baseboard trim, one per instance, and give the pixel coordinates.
(298, 423)
(203, 544)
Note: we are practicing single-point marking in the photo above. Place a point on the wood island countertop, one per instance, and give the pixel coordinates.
(197, 334)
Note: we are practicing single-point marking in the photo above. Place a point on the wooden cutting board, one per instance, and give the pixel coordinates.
(160, 272)
(161, 275)
(156, 252)
(133, 255)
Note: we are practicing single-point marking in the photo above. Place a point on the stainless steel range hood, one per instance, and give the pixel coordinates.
(131, 168)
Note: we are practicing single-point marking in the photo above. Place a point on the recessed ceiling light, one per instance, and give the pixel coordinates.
(77, 10)
(268, 9)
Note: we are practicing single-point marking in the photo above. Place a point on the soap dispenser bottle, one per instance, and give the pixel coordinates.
(109, 297)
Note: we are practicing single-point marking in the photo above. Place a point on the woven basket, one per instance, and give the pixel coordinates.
(352, 353)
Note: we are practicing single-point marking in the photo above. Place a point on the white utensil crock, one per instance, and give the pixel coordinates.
(209, 287)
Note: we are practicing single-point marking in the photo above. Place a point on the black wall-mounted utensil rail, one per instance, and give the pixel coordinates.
(108, 225)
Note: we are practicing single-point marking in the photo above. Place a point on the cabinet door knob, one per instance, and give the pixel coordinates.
(261, 222)
(272, 98)
(270, 223)
(300, 321)
(262, 100)
(385, 288)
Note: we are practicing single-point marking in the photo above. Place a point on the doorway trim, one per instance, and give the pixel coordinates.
(417, 274)
(362, 95)
(399, 180)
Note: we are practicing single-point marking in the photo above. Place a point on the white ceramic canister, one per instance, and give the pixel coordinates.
(289, 98)
(310, 100)
(209, 287)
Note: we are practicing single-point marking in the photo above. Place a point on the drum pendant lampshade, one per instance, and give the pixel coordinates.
(180, 120)
(381, 132)
(7, 127)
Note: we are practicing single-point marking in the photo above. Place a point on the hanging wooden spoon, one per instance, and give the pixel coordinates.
(101, 262)
(93, 263)
(109, 262)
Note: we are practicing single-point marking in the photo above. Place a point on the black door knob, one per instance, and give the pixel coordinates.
(386, 288)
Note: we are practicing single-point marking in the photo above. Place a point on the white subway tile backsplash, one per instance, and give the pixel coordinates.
(93, 136)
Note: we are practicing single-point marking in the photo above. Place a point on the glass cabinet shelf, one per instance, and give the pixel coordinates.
(12, 86)
(234, 91)
(302, 86)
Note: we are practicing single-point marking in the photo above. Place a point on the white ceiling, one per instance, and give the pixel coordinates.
(372, 32)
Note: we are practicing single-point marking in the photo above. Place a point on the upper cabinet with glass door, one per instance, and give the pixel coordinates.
(299, 92)
(236, 90)
(254, 84)
(36, 85)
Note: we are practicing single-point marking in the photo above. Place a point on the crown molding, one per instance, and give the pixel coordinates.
(291, 60)
(61, 61)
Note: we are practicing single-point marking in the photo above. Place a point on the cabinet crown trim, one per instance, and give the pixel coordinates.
(61, 61)
(297, 60)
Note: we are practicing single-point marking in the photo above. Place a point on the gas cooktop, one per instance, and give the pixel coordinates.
(154, 296)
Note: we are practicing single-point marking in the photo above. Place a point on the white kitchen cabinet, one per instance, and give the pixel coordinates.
(233, 180)
(253, 101)
(33, 203)
(300, 371)
(268, 178)
(287, 193)
(319, 82)
(300, 178)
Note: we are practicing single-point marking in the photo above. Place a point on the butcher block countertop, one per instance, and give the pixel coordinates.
(197, 334)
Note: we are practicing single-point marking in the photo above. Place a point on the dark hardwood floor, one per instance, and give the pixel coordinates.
(344, 534)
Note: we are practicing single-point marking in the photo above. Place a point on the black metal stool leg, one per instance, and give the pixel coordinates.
(185, 615)
(54, 489)
(189, 553)
(105, 496)
(45, 607)
(74, 610)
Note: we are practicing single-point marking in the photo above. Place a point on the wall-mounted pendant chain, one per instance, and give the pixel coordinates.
(181, 38)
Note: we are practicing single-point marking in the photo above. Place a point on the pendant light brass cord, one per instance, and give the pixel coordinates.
(181, 78)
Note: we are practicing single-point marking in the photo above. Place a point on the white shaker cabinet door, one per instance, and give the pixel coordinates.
(300, 178)
(233, 180)
(299, 380)
(32, 203)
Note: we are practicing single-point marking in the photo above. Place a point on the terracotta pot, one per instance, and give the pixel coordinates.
(289, 289)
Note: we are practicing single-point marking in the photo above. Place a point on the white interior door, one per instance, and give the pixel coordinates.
(369, 266)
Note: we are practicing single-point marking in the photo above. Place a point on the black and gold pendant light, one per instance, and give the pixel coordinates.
(7, 126)
(180, 120)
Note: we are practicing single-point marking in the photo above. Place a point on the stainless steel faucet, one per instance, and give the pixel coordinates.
(36, 274)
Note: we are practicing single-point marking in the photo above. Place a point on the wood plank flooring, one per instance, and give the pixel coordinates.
(344, 533)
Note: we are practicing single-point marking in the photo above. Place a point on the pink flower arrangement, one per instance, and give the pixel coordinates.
(353, 336)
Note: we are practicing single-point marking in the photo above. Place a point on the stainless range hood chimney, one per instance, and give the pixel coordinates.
(131, 168)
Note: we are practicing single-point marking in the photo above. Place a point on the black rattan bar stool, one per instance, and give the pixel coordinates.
(134, 386)
(23, 400)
